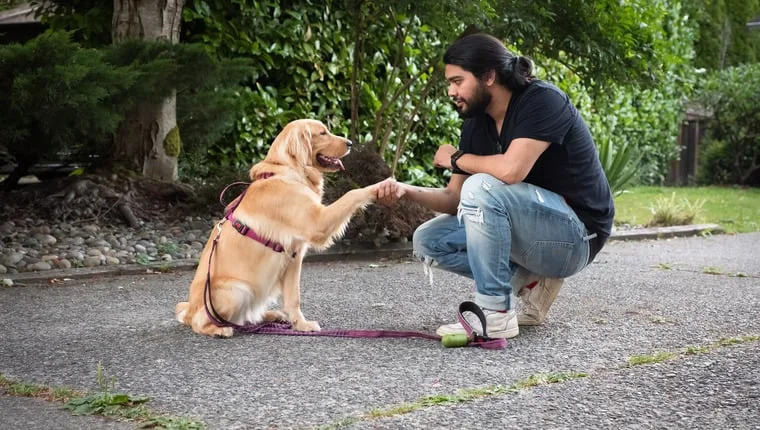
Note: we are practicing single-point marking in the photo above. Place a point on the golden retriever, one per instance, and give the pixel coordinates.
(283, 204)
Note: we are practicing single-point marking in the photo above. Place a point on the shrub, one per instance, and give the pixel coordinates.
(732, 150)
(60, 98)
(65, 101)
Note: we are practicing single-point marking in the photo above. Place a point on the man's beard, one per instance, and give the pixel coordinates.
(477, 105)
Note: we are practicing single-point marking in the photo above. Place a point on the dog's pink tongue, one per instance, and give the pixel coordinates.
(340, 163)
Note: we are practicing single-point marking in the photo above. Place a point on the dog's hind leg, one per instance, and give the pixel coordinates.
(230, 301)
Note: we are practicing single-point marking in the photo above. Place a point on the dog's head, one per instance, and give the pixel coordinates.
(308, 143)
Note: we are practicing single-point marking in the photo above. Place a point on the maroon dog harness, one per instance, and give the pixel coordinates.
(239, 226)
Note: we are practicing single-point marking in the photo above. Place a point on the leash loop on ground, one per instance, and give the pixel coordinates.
(482, 341)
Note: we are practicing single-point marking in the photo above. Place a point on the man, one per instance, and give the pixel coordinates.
(527, 204)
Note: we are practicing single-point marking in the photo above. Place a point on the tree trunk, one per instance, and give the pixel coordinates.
(141, 138)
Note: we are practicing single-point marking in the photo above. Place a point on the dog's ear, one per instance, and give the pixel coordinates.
(293, 144)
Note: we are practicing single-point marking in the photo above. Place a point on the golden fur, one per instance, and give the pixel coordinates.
(246, 276)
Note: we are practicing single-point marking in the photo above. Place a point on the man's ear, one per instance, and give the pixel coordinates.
(490, 77)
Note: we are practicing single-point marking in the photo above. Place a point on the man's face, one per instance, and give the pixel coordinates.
(469, 95)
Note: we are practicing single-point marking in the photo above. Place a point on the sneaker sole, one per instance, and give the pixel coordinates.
(506, 334)
(528, 320)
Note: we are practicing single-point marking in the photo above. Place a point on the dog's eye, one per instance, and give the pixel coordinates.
(323, 133)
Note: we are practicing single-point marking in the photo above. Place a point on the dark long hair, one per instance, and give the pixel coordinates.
(480, 53)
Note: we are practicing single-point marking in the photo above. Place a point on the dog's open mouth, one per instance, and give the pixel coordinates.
(330, 162)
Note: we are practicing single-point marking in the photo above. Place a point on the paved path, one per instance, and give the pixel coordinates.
(637, 299)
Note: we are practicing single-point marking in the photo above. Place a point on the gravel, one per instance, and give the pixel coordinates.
(30, 245)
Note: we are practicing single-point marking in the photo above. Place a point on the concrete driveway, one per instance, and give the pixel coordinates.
(690, 305)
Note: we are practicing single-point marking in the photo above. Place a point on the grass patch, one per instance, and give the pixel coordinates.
(727, 341)
(735, 209)
(167, 248)
(638, 360)
(696, 350)
(25, 389)
(470, 394)
(712, 270)
(667, 212)
(143, 259)
(720, 343)
(104, 402)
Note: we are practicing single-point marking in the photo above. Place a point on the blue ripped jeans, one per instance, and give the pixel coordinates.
(499, 227)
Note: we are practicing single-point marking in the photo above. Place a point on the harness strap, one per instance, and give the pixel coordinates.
(240, 226)
(248, 232)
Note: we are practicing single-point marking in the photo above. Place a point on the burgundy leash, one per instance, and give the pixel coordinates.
(281, 328)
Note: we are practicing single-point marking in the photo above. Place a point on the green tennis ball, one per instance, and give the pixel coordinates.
(454, 340)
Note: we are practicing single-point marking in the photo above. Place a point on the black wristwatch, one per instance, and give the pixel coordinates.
(454, 157)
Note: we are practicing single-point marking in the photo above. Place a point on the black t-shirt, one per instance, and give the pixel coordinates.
(570, 165)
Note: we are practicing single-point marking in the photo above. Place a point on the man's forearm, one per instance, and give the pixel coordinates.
(443, 200)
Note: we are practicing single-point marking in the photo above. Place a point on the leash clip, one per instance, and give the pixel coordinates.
(219, 228)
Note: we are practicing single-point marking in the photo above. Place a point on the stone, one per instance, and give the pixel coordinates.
(7, 282)
(140, 248)
(94, 252)
(7, 227)
(91, 228)
(62, 263)
(112, 261)
(12, 258)
(3, 269)
(39, 266)
(75, 255)
(91, 261)
(31, 242)
(45, 239)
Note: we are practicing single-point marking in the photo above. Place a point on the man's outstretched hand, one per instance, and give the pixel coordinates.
(389, 191)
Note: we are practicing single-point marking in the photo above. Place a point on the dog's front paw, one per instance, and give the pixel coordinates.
(304, 325)
(214, 331)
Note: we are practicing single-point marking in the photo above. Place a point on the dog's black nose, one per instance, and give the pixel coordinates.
(349, 143)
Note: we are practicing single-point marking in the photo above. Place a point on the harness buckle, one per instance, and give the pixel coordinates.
(240, 227)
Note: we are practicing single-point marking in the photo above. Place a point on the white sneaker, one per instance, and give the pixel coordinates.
(499, 325)
(537, 293)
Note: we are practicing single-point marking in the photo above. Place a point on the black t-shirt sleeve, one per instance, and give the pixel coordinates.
(544, 114)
